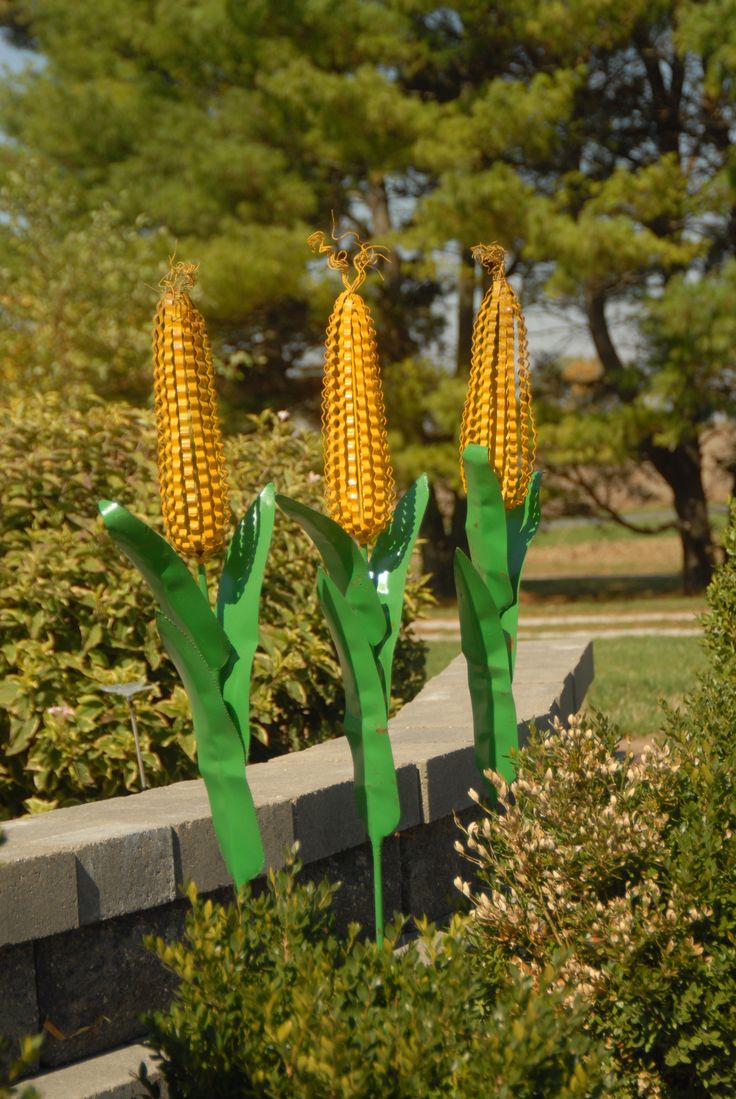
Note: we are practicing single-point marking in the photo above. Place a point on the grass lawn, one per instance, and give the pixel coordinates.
(630, 606)
(563, 604)
(573, 533)
(632, 674)
(439, 655)
(600, 568)
(607, 549)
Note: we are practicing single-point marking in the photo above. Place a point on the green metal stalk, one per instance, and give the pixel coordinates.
(213, 652)
(487, 587)
(362, 600)
(377, 890)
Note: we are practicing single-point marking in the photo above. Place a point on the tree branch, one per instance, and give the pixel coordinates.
(575, 477)
(595, 307)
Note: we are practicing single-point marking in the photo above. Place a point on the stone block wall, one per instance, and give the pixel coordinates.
(80, 887)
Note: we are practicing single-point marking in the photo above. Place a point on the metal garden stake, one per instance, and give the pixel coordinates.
(497, 447)
(361, 593)
(212, 649)
(128, 691)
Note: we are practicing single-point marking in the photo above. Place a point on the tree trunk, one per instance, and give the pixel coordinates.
(380, 208)
(680, 467)
(438, 545)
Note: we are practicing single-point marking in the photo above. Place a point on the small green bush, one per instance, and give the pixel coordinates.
(74, 615)
(628, 867)
(720, 619)
(21, 1064)
(271, 1003)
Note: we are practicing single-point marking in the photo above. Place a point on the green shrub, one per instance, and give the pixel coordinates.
(720, 619)
(74, 615)
(271, 1003)
(21, 1064)
(628, 868)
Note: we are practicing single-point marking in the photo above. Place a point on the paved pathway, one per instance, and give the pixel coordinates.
(542, 627)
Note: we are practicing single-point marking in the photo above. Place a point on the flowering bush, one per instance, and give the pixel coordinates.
(622, 873)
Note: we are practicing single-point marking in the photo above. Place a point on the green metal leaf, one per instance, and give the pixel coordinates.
(389, 565)
(174, 587)
(521, 523)
(220, 756)
(366, 717)
(485, 646)
(238, 600)
(345, 564)
(486, 524)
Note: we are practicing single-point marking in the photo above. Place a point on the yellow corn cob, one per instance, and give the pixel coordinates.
(359, 482)
(191, 466)
(498, 410)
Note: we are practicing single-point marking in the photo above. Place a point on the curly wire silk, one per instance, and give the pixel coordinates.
(359, 482)
(498, 410)
(191, 465)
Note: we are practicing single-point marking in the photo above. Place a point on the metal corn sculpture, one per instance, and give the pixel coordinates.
(497, 448)
(213, 650)
(361, 592)
(191, 465)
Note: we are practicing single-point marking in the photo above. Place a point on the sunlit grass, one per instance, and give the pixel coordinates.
(632, 675)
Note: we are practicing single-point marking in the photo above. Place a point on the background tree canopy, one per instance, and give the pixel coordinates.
(593, 139)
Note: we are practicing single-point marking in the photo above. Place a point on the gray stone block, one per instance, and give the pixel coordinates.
(38, 891)
(334, 756)
(108, 1076)
(93, 983)
(410, 795)
(442, 708)
(429, 866)
(96, 860)
(122, 870)
(42, 827)
(197, 855)
(446, 781)
(325, 819)
(321, 794)
(584, 674)
(18, 1003)
(353, 869)
(276, 822)
(565, 698)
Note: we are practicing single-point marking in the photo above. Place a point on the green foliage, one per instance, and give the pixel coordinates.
(74, 614)
(271, 1003)
(590, 138)
(720, 619)
(27, 1057)
(587, 161)
(237, 129)
(75, 308)
(628, 868)
(424, 403)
